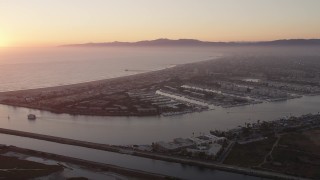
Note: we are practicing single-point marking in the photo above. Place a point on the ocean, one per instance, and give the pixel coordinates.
(22, 68)
(28, 68)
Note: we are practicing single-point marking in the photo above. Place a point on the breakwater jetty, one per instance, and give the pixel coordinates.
(90, 164)
(176, 159)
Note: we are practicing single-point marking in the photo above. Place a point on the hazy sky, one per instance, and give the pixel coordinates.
(53, 22)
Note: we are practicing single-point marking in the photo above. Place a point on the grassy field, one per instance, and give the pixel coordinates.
(314, 135)
(13, 168)
(295, 163)
(249, 155)
(303, 141)
(298, 154)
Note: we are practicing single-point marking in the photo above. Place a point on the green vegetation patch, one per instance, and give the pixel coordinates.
(300, 141)
(293, 162)
(13, 168)
(297, 154)
(249, 155)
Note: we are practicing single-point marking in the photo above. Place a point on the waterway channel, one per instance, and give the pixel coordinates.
(145, 130)
(142, 130)
(123, 160)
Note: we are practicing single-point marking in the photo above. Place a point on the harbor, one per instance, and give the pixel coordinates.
(116, 130)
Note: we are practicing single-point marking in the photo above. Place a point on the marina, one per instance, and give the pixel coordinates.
(117, 130)
(161, 90)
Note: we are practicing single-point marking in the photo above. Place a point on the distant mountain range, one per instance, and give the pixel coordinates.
(194, 42)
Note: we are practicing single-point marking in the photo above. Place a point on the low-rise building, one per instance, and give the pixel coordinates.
(175, 146)
(211, 150)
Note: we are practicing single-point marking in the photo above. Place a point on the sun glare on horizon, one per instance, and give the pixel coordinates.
(3, 41)
(37, 23)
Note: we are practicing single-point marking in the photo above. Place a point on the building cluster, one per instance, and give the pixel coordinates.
(268, 92)
(252, 132)
(228, 82)
(294, 87)
(160, 103)
(303, 80)
(295, 123)
(258, 92)
(205, 145)
(234, 87)
(217, 97)
(217, 144)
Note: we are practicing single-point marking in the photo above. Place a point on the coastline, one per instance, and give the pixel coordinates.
(139, 94)
(81, 84)
(92, 81)
(116, 85)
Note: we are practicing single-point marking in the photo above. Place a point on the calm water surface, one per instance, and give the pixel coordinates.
(29, 68)
(26, 68)
(149, 165)
(145, 130)
(33, 68)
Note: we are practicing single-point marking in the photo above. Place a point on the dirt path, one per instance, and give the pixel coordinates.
(270, 153)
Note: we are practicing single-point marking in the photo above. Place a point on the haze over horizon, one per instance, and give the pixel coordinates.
(50, 23)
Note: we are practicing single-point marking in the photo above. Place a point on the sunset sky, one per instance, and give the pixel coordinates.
(55, 22)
